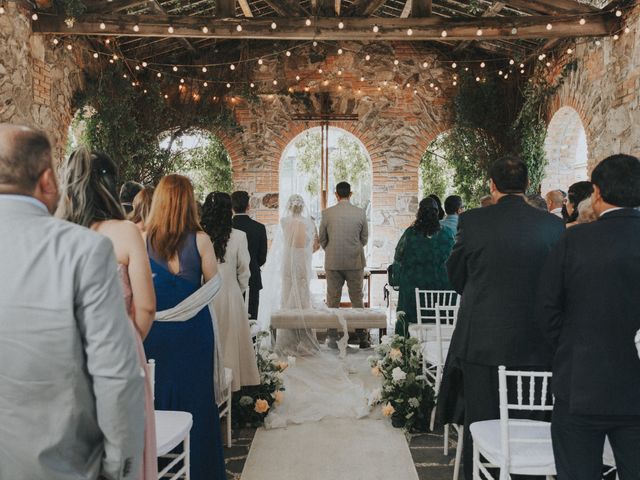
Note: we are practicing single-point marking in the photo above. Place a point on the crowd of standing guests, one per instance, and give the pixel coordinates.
(545, 284)
(96, 288)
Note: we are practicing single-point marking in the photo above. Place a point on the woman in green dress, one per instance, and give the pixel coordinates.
(420, 261)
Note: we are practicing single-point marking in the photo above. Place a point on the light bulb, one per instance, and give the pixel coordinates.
(396, 62)
(275, 82)
(425, 64)
(315, 44)
(232, 66)
(34, 17)
(115, 57)
(252, 85)
(170, 29)
(454, 65)
(260, 61)
(238, 28)
(182, 80)
(341, 25)
(479, 32)
(500, 73)
(144, 64)
(548, 64)
(137, 67)
(159, 74)
(455, 83)
(175, 69)
(598, 43)
(618, 13)
(514, 31)
(166, 96)
(320, 71)
(288, 54)
(362, 79)
(409, 31)
(376, 29)
(56, 41)
(549, 26)
(367, 57)
(307, 22)
(204, 69)
(2, 10)
(512, 61)
(569, 51)
(582, 21)
(228, 85)
(102, 26)
(616, 36)
(432, 84)
(95, 55)
(136, 28)
(339, 72)
(339, 51)
(444, 33)
(408, 85)
(477, 79)
(205, 29)
(627, 29)
(205, 84)
(273, 25)
(297, 78)
(521, 71)
(482, 65)
(506, 75)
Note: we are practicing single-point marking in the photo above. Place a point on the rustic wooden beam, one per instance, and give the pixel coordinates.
(246, 9)
(492, 11)
(155, 6)
(421, 8)
(294, 28)
(115, 6)
(406, 11)
(226, 8)
(552, 7)
(337, 6)
(364, 8)
(286, 8)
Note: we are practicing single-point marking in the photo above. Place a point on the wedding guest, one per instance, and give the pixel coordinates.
(89, 198)
(439, 202)
(453, 207)
(486, 201)
(536, 201)
(586, 214)
(128, 192)
(182, 256)
(420, 260)
(495, 265)
(555, 201)
(578, 192)
(141, 207)
(344, 232)
(71, 393)
(233, 263)
(257, 242)
(588, 311)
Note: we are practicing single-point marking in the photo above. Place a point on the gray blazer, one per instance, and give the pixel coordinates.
(343, 234)
(71, 387)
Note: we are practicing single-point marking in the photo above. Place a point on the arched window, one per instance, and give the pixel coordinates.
(566, 150)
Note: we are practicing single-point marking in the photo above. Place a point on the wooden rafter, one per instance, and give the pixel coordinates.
(115, 6)
(552, 7)
(421, 8)
(492, 11)
(226, 8)
(364, 8)
(336, 7)
(246, 9)
(294, 28)
(286, 8)
(406, 11)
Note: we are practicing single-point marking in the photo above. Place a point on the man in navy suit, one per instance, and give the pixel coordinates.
(257, 241)
(589, 311)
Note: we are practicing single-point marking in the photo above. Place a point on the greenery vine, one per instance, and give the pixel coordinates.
(142, 129)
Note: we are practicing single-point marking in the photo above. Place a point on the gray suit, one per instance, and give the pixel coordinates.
(71, 388)
(343, 234)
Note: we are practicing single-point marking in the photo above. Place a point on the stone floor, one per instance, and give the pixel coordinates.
(426, 450)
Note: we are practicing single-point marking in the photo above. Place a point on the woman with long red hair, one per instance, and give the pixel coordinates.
(182, 258)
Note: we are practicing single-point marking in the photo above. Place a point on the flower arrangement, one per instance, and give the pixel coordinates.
(252, 404)
(406, 395)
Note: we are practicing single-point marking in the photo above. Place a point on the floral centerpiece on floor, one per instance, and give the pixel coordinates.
(406, 395)
(252, 404)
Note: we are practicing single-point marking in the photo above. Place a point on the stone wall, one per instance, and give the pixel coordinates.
(399, 114)
(604, 90)
(37, 79)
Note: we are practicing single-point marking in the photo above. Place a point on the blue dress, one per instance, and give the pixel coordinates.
(183, 352)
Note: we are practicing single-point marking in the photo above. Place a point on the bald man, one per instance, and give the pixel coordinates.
(71, 388)
(555, 202)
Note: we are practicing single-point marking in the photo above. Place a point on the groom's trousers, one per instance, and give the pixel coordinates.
(336, 280)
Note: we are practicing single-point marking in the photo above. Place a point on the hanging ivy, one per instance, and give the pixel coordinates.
(130, 129)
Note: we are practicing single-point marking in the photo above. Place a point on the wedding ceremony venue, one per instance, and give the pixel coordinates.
(319, 239)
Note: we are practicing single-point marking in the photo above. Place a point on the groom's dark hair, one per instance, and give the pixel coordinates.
(240, 201)
(343, 189)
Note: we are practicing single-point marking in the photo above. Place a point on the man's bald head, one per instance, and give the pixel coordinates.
(555, 199)
(25, 154)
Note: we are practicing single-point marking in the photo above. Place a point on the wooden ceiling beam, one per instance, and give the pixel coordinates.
(286, 8)
(492, 11)
(406, 11)
(364, 8)
(552, 7)
(246, 9)
(337, 6)
(294, 28)
(421, 8)
(115, 6)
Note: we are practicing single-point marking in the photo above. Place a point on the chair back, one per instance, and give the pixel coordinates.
(534, 396)
(151, 368)
(446, 319)
(427, 300)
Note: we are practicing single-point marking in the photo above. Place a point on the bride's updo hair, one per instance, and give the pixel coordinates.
(428, 217)
(295, 204)
(217, 221)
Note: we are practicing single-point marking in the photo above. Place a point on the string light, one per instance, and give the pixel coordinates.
(569, 51)
(341, 25)
(443, 34)
(376, 29)
(107, 41)
(274, 25)
(598, 43)
(514, 31)
(297, 78)
(477, 79)
(34, 17)
(182, 80)
(205, 84)
(432, 84)
(288, 54)
(102, 26)
(69, 47)
(512, 61)
(204, 69)
(136, 28)
(339, 51)
(454, 65)
(144, 64)
(500, 73)
(616, 36)
(582, 21)
(205, 29)
(275, 82)
(159, 75)
(315, 44)
(232, 66)
(252, 85)
(2, 10)
(482, 65)
(455, 83)
(549, 26)
(325, 83)
(396, 62)
(260, 61)
(95, 55)
(228, 85)
(175, 69)
(521, 71)
(627, 29)
(409, 31)
(170, 29)
(320, 71)
(367, 57)
(166, 96)
(115, 57)
(56, 41)
(479, 32)
(307, 22)
(339, 72)
(238, 28)
(362, 79)
(618, 13)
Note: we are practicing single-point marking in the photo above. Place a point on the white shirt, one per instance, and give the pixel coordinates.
(610, 210)
(26, 199)
(557, 212)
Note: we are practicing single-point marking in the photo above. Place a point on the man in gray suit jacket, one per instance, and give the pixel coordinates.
(343, 234)
(71, 387)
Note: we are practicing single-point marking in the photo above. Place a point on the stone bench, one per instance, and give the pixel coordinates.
(356, 318)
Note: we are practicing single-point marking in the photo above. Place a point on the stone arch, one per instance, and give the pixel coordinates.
(566, 150)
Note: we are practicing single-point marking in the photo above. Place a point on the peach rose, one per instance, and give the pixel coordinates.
(395, 354)
(375, 371)
(283, 366)
(278, 397)
(262, 406)
(388, 410)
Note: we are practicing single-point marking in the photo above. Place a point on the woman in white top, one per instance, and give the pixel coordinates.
(233, 263)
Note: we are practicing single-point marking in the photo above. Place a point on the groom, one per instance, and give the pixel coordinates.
(343, 235)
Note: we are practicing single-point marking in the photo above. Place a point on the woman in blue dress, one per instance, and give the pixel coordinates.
(182, 257)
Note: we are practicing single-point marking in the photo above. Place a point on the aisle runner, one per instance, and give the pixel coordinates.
(333, 448)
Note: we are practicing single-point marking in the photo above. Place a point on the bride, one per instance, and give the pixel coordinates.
(319, 384)
(288, 274)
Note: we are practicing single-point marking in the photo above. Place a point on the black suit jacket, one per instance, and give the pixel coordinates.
(257, 241)
(589, 309)
(495, 265)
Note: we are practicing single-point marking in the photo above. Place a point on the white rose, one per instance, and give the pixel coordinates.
(414, 402)
(273, 357)
(398, 375)
(386, 340)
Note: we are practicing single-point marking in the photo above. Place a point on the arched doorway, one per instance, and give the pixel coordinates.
(349, 161)
(566, 151)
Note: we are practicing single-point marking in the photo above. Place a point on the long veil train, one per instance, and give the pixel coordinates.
(319, 384)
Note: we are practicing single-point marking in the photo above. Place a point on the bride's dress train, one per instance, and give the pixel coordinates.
(318, 384)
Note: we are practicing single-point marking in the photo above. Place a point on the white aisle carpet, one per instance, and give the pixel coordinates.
(333, 448)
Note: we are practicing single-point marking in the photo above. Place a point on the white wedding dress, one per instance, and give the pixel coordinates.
(318, 384)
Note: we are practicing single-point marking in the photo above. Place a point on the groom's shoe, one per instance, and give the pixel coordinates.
(365, 339)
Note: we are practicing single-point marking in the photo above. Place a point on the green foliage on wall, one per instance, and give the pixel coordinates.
(128, 123)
